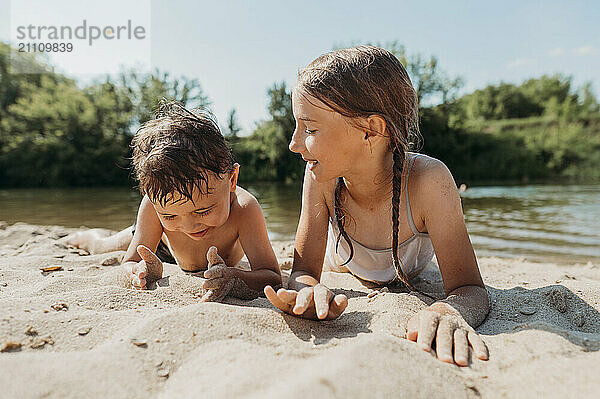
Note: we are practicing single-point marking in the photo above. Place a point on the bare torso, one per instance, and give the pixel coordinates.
(190, 254)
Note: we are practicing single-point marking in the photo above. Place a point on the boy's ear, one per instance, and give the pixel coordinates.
(234, 177)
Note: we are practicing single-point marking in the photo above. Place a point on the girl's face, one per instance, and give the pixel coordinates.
(324, 138)
(198, 219)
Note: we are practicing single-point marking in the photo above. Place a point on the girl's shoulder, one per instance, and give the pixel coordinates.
(429, 181)
(426, 170)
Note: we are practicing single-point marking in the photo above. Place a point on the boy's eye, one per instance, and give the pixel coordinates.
(308, 131)
(168, 217)
(203, 213)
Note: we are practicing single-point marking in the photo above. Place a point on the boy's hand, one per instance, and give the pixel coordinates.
(316, 302)
(220, 277)
(447, 326)
(150, 267)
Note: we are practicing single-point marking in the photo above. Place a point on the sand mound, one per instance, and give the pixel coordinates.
(71, 333)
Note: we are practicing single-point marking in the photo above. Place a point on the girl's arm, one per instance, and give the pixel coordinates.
(306, 297)
(450, 321)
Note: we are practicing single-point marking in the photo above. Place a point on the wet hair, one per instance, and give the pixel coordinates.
(359, 82)
(177, 151)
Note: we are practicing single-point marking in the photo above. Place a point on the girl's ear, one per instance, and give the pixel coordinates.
(376, 126)
(234, 177)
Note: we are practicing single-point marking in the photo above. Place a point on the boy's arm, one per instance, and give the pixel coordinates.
(252, 233)
(148, 232)
(253, 236)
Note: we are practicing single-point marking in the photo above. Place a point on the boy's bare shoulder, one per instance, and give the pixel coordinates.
(244, 202)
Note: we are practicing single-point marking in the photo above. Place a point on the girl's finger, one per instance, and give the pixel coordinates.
(428, 322)
(479, 348)
(322, 296)
(287, 296)
(214, 283)
(461, 347)
(444, 339)
(412, 328)
(337, 306)
(304, 300)
(274, 299)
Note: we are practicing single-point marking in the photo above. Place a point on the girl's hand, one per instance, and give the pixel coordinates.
(449, 328)
(220, 277)
(317, 303)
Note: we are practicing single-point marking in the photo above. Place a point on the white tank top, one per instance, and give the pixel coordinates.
(377, 265)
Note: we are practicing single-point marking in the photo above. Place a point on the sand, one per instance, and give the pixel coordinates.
(69, 333)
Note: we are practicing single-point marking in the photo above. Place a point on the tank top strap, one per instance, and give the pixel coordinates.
(408, 211)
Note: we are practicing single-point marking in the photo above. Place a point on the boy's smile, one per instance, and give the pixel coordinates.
(204, 213)
(200, 233)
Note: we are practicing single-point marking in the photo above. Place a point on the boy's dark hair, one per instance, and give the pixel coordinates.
(177, 151)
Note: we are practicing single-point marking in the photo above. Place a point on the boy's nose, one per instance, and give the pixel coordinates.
(190, 226)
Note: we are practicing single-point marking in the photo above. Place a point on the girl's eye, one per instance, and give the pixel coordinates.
(204, 213)
(168, 217)
(308, 131)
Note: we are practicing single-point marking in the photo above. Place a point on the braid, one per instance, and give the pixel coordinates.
(397, 188)
(341, 218)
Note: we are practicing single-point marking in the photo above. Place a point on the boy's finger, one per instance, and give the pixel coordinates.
(337, 306)
(212, 256)
(322, 296)
(212, 296)
(135, 281)
(147, 255)
(274, 299)
(214, 283)
(214, 272)
(140, 269)
(304, 300)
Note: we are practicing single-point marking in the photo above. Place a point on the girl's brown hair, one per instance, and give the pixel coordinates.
(359, 82)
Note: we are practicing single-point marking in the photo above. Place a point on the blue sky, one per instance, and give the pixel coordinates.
(237, 49)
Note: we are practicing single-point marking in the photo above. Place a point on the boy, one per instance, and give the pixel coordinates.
(191, 203)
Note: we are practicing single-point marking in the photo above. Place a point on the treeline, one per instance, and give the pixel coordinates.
(56, 133)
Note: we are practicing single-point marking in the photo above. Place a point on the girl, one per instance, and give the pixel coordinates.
(356, 117)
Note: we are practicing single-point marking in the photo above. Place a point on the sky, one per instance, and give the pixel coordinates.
(238, 49)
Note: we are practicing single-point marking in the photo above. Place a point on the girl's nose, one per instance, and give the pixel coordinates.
(296, 144)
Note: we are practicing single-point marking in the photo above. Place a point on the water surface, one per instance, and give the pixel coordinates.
(539, 222)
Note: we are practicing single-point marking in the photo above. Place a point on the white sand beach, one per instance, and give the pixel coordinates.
(69, 334)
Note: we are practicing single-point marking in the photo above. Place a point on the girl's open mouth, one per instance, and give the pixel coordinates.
(312, 164)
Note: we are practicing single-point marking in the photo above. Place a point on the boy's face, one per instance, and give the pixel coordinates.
(198, 219)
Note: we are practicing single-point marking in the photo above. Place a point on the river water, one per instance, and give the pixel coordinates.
(556, 223)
